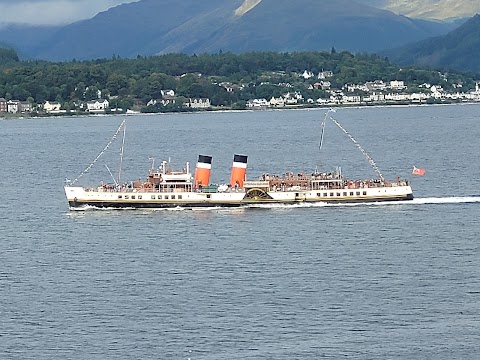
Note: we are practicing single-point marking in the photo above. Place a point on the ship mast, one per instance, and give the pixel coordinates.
(322, 135)
(121, 154)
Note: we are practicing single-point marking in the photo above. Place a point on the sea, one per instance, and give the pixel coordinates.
(365, 281)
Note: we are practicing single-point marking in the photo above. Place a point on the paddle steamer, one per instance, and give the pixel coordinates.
(166, 188)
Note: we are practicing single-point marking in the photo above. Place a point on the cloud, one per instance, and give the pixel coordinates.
(52, 12)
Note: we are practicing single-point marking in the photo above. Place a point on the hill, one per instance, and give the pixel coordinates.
(138, 28)
(429, 9)
(458, 50)
(26, 39)
(152, 27)
(306, 25)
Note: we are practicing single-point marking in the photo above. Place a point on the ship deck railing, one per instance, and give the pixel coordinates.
(273, 185)
(157, 190)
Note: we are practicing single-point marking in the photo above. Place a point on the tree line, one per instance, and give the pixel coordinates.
(136, 81)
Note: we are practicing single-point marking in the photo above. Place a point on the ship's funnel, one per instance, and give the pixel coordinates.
(239, 170)
(202, 172)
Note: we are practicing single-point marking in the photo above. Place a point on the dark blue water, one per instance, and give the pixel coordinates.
(394, 281)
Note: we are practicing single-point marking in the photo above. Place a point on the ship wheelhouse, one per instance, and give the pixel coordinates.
(166, 180)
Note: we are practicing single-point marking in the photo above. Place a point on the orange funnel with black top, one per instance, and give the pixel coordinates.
(202, 171)
(239, 170)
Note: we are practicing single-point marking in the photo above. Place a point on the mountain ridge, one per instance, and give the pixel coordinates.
(457, 50)
(343, 24)
(149, 27)
(429, 9)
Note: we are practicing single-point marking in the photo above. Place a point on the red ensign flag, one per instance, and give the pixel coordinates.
(417, 171)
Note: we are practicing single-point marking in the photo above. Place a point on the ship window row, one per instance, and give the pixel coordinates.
(345, 193)
(167, 197)
(133, 197)
(154, 197)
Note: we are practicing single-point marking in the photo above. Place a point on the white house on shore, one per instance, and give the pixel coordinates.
(99, 105)
(13, 106)
(277, 102)
(257, 103)
(52, 107)
(165, 100)
(198, 103)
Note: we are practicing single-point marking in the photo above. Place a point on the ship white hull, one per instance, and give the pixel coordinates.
(81, 197)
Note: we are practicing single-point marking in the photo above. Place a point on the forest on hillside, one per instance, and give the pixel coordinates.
(260, 74)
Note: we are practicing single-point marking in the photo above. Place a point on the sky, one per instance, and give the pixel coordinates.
(52, 12)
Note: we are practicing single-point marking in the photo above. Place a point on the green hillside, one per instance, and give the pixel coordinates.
(7, 56)
(254, 75)
(459, 50)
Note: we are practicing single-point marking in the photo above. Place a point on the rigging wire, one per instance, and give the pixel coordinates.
(368, 157)
(87, 169)
(322, 135)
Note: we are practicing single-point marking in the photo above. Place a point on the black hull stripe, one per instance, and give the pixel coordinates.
(157, 205)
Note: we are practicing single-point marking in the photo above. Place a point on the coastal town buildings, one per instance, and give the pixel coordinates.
(15, 106)
(198, 103)
(3, 105)
(309, 90)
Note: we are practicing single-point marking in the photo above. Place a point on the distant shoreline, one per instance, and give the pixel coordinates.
(8, 116)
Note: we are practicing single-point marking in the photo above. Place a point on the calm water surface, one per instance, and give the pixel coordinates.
(395, 281)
